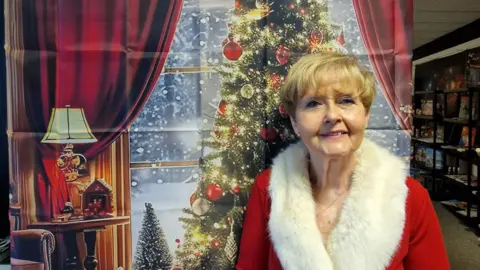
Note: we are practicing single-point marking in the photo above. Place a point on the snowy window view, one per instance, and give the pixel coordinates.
(179, 113)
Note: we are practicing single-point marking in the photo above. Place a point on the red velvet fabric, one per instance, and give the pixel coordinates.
(386, 28)
(421, 246)
(102, 56)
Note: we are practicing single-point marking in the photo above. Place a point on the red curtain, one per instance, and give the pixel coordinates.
(102, 56)
(386, 28)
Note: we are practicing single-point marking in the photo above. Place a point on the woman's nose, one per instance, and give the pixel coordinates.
(332, 113)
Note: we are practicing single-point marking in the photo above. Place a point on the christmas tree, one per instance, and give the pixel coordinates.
(152, 249)
(265, 39)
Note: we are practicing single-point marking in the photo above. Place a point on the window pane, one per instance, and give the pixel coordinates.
(199, 34)
(144, 177)
(165, 146)
(180, 102)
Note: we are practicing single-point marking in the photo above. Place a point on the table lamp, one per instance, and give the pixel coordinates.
(69, 126)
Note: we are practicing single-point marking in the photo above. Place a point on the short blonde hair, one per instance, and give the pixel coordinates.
(314, 71)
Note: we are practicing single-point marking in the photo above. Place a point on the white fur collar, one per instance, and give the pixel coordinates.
(371, 222)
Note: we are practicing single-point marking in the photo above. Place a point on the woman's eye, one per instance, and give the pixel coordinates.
(347, 101)
(312, 104)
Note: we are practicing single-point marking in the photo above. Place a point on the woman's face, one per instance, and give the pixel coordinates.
(331, 121)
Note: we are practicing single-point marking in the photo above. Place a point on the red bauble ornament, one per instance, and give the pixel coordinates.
(268, 134)
(237, 4)
(215, 244)
(218, 132)
(214, 192)
(197, 254)
(276, 80)
(283, 54)
(341, 39)
(316, 36)
(232, 50)
(282, 111)
(102, 213)
(90, 205)
(177, 240)
(236, 188)
(222, 107)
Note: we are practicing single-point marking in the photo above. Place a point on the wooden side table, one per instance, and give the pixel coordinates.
(89, 228)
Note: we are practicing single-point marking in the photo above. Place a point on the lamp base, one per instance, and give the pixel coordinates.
(68, 210)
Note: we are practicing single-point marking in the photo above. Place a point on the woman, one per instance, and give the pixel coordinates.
(336, 200)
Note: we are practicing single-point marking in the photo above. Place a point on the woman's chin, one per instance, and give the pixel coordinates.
(335, 151)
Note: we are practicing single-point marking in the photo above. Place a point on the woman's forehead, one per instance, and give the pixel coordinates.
(333, 89)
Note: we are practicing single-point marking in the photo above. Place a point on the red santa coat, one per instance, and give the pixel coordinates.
(387, 221)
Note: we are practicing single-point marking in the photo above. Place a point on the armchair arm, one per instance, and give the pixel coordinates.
(32, 245)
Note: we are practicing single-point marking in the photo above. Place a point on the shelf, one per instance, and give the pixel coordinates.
(427, 117)
(456, 121)
(460, 180)
(461, 152)
(423, 92)
(474, 123)
(427, 141)
(459, 90)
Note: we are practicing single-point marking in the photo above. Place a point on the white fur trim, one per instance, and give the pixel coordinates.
(371, 222)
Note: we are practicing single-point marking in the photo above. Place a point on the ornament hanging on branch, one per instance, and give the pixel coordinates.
(235, 188)
(316, 36)
(215, 244)
(283, 54)
(232, 50)
(268, 134)
(231, 245)
(214, 192)
(261, 3)
(282, 110)
(275, 80)
(247, 91)
(262, 10)
(316, 41)
(222, 107)
(200, 206)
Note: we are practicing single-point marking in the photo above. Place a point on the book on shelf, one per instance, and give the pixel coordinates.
(464, 136)
(424, 155)
(465, 108)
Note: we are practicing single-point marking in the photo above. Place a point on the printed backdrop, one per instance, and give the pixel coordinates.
(182, 100)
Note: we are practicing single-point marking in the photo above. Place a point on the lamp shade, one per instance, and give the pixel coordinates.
(68, 125)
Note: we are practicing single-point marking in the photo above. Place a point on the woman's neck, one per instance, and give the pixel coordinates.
(331, 174)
